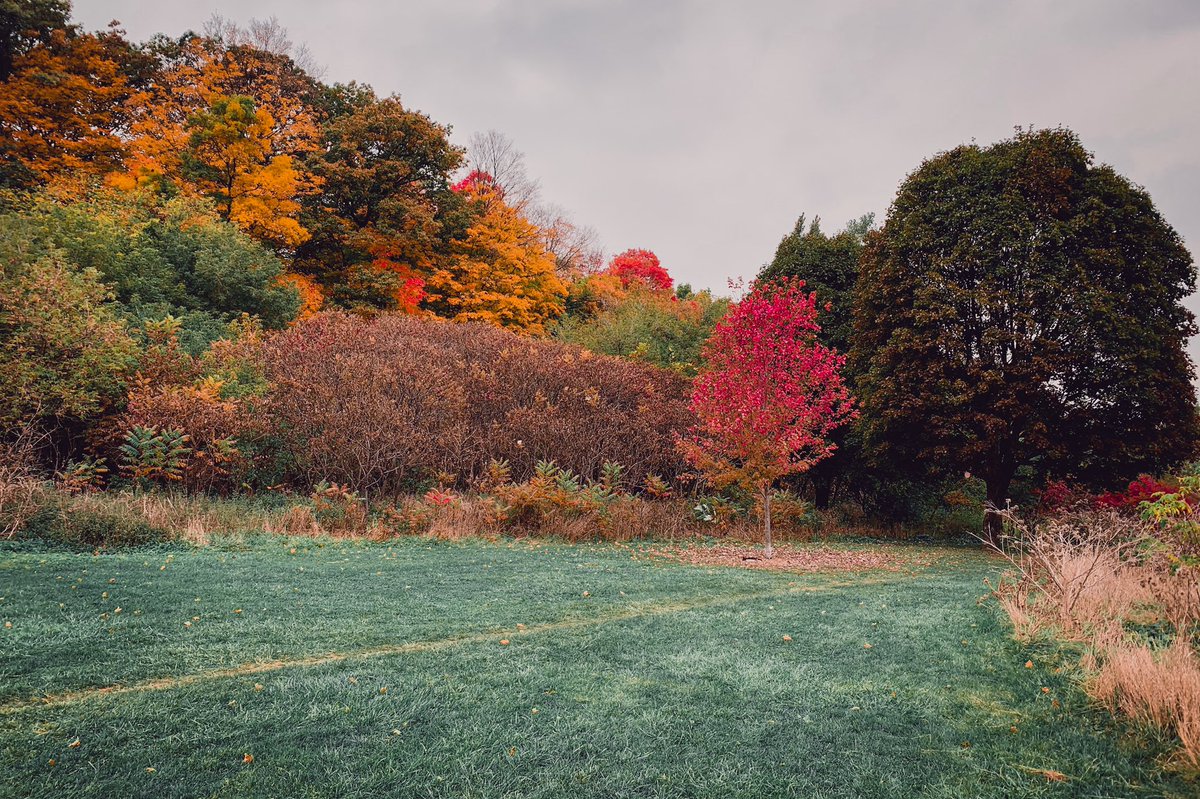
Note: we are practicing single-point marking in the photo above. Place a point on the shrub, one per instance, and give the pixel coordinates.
(337, 509)
(1140, 490)
(1097, 576)
(201, 407)
(385, 405)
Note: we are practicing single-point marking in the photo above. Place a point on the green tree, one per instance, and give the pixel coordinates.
(828, 265)
(157, 257)
(25, 23)
(1023, 306)
(656, 327)
(64, 351)
(379, 221)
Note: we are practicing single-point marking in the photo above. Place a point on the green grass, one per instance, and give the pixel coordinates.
(665, 680)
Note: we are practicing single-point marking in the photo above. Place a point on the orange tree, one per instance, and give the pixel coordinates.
(768, 395)
(498, 272)
(63, 107)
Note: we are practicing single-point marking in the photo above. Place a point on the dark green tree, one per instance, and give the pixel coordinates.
(1022, 306)
(828, 265)
(24, 23)
(384, 213)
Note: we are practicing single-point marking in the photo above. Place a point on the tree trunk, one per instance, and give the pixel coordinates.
(822, 491)
(768, 550)
(998, 481)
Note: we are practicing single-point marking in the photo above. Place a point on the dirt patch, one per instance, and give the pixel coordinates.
(806, 559)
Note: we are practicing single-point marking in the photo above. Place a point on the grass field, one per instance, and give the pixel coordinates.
(288, 669)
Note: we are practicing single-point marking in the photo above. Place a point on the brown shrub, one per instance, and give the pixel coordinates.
(1078, 565)
(466, 518)
(214, 425)
(1160, 688)
(385, 403)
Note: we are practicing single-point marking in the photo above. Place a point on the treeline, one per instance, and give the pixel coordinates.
(218, 271)
(192, 193)
(1019, 317)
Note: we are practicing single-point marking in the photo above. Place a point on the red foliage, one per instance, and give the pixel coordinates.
(640, 266)
(770, 392)
(1059, 495)
(1140, 490)
(410, 292)
(477, 180)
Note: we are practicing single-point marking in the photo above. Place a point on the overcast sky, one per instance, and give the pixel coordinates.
(701, 130)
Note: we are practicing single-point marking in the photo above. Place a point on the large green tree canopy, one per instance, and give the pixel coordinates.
(1023, 306)
(828, 265)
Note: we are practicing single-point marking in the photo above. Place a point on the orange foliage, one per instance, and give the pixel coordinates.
(311, 297)
(62, 107)
(194, 116)
(499, 273)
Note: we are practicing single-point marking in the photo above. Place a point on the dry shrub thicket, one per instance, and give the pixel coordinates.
(1102, 578)
(380, 405)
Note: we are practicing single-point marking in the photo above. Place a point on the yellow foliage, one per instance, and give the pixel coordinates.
(499, 273)
(247, 160)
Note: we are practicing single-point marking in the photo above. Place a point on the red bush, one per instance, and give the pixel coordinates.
(1140, 490)
(640, 266)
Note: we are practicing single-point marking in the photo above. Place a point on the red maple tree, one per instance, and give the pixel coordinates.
(640, 266)
(768, 395)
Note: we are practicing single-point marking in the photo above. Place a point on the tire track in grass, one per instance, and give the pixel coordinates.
(648, 610)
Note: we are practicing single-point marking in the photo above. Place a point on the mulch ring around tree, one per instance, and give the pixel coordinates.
(787, 558)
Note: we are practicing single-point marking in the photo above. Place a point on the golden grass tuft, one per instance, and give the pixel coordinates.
(1083, 576)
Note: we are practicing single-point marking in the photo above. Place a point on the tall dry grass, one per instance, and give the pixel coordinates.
(1084, 576)
(20, 484)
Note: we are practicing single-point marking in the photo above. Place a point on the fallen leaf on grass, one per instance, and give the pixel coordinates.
(1050, 774)
(247, 758)
(787, 637)
(74, 744)
(1029, 664)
